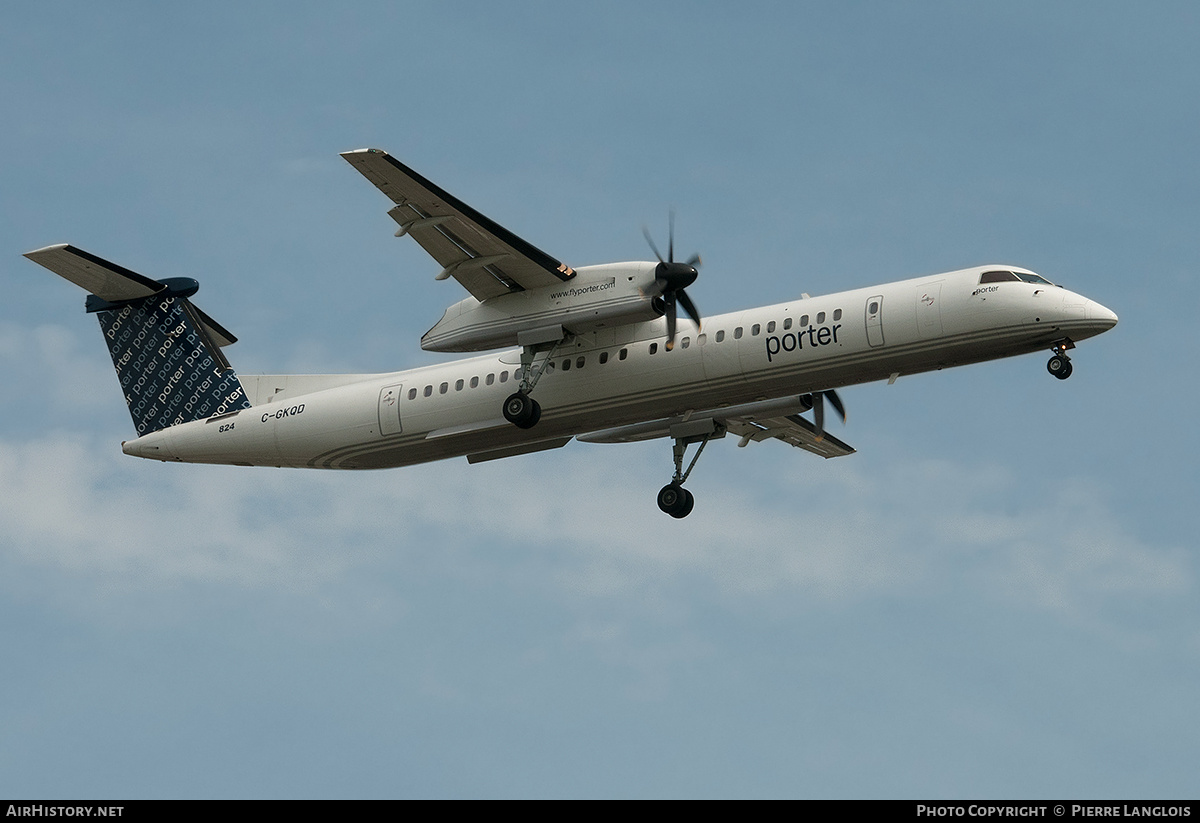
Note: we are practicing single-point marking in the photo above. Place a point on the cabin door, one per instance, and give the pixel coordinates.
(875, 320)
(389, 410)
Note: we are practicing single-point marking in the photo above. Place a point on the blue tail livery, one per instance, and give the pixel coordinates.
(167, 352)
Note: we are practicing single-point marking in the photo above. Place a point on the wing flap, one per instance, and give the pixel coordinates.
(777, 419)
(791, 429)
(485, 257)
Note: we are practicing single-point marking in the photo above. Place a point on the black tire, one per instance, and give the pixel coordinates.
(522, 410)
(1059, 366)
(675, 500)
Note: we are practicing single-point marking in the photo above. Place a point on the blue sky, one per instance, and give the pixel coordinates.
(996, 596)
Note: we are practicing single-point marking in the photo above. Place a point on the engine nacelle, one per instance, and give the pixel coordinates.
(597, 297)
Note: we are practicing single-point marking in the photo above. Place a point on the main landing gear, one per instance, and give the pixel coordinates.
(1060, 365)
(673, 498)
(520, 409)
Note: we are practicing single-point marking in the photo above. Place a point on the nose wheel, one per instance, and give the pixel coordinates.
(1060, 365)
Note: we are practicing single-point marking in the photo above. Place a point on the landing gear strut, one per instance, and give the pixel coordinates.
(673, 498)
(520, 409)
(1060, 365)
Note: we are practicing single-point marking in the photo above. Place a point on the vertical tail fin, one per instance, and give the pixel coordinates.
(166, 351)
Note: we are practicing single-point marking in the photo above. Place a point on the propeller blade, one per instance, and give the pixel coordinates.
(656, 288)
(671, 237)
(836, 402)
(689, 306)
(670, 280)
(818, 409)
(653, 247)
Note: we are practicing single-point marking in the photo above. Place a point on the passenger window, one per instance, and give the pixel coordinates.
(412, 394)
(720, 335)
(603, 357)
(837, 314)
(803, 321)
(754, 330)
(687, 341)
(474, 382)
(579, 361)
(771, 327)
(873, 308)
(701, 340)
(458, 385)
(491, 378)
(429, 391)
(624, 353)
(737, 333)
(503, 377)
(443, 388)
(820, 317)
(653, 348)
(566, 364)
(787, 323)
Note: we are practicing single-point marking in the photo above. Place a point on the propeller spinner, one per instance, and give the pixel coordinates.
(670, 280)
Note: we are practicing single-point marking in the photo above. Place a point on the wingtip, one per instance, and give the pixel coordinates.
(43, 249)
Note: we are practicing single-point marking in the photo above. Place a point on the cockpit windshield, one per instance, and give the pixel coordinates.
(1003, 276)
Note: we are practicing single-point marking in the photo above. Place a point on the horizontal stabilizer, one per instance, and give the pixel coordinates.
(106, 280)
(116, 285)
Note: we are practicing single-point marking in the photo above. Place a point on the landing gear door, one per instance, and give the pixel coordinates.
(389, 410)
(875, 320)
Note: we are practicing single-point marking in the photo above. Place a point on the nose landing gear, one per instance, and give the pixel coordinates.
(1060, 365)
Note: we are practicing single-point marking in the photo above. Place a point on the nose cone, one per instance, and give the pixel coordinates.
(1103, 318)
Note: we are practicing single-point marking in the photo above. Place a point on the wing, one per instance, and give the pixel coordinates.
(485, 257)
(792, 429)
(778, 419)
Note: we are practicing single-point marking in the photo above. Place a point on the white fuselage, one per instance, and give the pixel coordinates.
(611, 377)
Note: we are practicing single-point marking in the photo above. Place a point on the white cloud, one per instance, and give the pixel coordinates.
(580, 524)
(51, 357)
